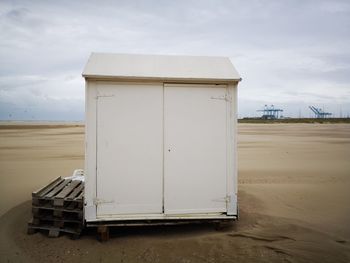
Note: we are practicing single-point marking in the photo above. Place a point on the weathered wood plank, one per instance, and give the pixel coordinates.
(72, 205)
(57, 213)
(76, 191)
(68, 189)
(49, 227)
(44, 190)
(35, 200)
(80, 197)
(68, 218)
(58, 188)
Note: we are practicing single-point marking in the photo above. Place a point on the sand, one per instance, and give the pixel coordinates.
(294, 194)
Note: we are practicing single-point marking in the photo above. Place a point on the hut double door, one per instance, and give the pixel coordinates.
(161, 149)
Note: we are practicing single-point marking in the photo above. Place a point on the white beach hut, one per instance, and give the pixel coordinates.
(161, 138)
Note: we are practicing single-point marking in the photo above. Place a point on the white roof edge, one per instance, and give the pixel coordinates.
(160, 67)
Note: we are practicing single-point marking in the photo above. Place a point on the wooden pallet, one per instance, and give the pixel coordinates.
(59, 221)
(58, 208)
(60, 193)
(38, 211)
(53, 230)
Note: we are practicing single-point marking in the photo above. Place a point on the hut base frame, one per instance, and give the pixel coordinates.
(103, 227)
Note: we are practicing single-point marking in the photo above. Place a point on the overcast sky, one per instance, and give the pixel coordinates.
(289, 53)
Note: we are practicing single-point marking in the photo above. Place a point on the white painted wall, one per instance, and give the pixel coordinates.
(137, 177)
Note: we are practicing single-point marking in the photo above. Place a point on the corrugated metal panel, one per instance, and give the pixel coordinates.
(132, 66)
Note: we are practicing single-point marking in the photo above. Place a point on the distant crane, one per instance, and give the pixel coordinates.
(319, 113)
(270, 113)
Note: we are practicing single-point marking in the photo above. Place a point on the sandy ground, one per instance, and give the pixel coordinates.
(294, 194)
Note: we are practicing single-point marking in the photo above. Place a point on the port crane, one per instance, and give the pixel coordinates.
(270, 113)
(319, 113)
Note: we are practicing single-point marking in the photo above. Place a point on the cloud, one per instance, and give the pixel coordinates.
(290, 53)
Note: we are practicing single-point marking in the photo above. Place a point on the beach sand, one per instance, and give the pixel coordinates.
(294, 197)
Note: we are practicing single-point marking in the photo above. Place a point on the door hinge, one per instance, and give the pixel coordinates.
(104, 96)
(97, 201)
(225, 97)
(222, 199)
